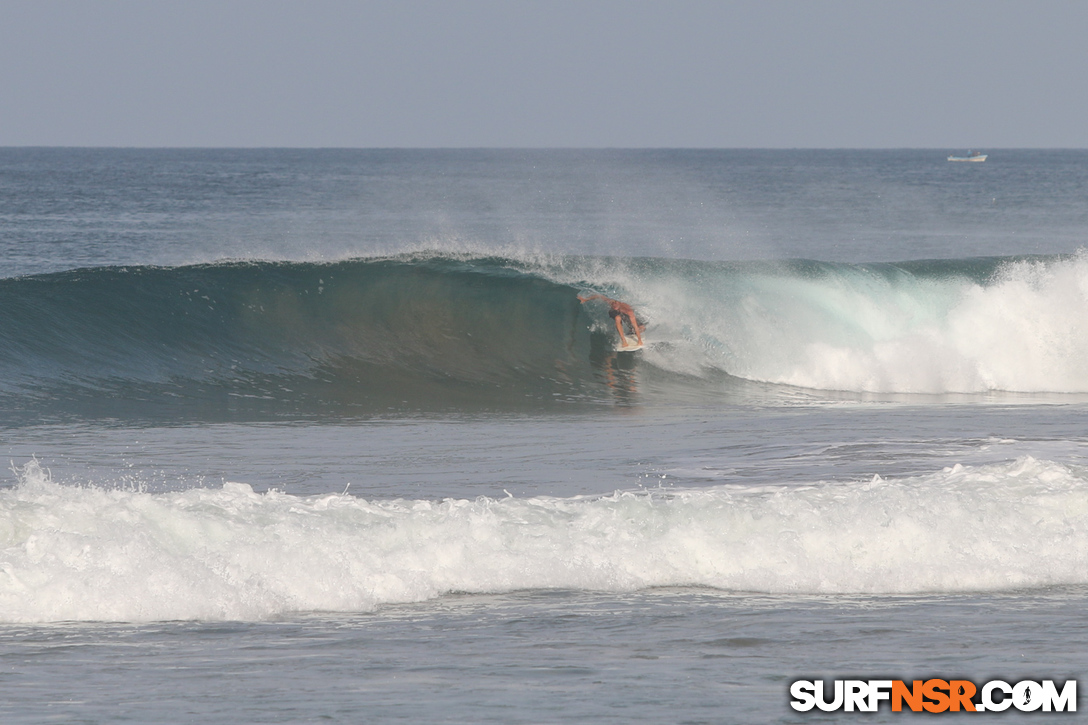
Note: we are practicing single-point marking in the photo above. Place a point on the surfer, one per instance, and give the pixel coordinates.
(617, 311)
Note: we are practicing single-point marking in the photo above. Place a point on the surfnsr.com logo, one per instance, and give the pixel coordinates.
(934, 696)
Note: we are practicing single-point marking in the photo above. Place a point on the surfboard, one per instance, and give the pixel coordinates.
(632, 345)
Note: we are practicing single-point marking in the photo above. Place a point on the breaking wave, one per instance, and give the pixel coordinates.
(433, 331)
(72, 553)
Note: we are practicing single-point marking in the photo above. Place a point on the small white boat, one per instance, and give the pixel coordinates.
(971, 156)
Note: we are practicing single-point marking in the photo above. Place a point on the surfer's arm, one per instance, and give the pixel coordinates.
(591, 297)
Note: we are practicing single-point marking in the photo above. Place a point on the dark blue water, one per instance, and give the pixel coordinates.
(304, 435)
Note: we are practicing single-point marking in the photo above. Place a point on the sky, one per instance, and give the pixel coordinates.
(950, 74)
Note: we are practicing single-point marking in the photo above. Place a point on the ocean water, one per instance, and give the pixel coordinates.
(326, 435)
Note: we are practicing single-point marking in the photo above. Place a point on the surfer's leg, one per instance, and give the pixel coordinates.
(619, 329)
(637, 328)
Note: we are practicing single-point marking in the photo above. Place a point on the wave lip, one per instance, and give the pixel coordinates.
(89, 554)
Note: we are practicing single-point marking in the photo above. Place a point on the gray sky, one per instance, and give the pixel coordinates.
(941, 74)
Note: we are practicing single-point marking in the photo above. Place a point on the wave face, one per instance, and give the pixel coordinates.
(445, 332)
(90, 554)
(371, 333)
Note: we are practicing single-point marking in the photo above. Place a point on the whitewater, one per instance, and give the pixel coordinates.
(230, 554)
(949, 326)
(300, 435)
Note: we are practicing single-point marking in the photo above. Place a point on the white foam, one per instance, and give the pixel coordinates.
(1026, 330)
(80, 553)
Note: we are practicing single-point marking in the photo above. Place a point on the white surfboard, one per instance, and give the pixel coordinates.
(632, 345)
